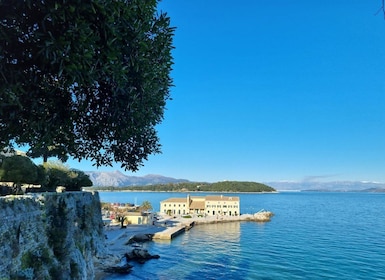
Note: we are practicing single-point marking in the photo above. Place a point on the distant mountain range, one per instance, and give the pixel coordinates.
(118, 179)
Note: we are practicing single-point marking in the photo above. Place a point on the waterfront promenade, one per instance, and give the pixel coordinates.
(165, 228)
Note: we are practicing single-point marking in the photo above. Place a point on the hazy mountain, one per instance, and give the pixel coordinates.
(118, 179)
(339, 186)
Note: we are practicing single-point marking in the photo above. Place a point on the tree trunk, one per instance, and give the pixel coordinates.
(16, 188)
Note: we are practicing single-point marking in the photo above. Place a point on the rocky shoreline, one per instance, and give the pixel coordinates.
(125, 245)
(120, 245)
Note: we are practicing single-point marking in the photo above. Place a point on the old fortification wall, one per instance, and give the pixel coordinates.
(50, 236)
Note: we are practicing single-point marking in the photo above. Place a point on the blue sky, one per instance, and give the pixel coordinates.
(273, 90)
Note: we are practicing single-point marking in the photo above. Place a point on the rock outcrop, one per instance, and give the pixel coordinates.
(143, 237)
(124, 269)
(50, 236)
(140, 256)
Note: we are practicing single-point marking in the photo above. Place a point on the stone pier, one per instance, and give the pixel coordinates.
(169, 233)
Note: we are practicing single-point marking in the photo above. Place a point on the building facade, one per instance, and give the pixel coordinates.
(210, 205)
(139, 218)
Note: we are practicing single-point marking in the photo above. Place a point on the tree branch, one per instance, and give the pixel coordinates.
(381, 9)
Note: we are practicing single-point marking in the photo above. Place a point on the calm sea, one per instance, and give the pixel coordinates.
(313, 235)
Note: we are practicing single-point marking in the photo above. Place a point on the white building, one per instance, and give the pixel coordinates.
(202, 205)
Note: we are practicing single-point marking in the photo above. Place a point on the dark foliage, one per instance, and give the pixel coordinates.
(226, 186)
(89, 79)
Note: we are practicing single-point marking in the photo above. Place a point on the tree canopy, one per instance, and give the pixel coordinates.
(59, 174)
(21, 170)
(18, 169)
(89, 79)
(146, 206)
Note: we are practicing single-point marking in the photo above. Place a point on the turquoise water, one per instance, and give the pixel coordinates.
(312, 236)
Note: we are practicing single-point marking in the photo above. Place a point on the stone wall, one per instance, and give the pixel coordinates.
(50, 236)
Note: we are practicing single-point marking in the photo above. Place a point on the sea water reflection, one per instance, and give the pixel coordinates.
(312, 236)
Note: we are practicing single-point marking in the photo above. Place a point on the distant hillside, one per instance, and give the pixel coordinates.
(235, 186)
(337, 186)
(118, 179)
(224, 186)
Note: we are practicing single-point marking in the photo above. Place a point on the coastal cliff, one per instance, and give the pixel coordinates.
(50, 236)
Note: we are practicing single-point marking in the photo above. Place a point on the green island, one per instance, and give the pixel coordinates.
(224, 186)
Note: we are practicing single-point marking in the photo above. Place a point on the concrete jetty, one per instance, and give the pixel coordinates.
(179, 224)
(169, 233)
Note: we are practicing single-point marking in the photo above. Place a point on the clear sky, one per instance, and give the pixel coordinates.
(273, 90)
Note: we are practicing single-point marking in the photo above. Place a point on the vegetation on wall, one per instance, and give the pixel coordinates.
(57, 232)
(50, 236)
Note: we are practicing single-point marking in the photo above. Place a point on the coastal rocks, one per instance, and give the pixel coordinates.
(140, 256)
(137, 254)
(124, 269)
(263, 216)
(140, 238)
(260, 217)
